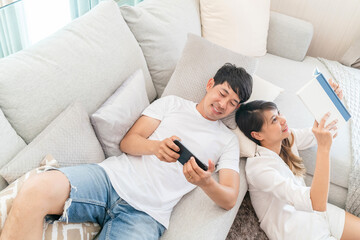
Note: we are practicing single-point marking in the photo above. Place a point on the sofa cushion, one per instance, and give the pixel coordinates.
(199, 62)
(70, 138)
(289, 37)
(115, 117)
(239, 25)
(161, 29)
(292, 75)
(196, 216)
(86, 61)
(10, 144)
(59, 229)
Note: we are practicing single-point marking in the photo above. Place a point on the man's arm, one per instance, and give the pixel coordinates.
(224, 193)
(136, 141)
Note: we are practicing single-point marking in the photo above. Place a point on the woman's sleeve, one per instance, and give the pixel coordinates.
(304, 138)
(262, 175)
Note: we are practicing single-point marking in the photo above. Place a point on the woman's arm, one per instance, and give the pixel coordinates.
(320, 184)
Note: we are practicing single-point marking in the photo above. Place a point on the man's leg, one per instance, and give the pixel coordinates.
(40, 195)
(125, 222)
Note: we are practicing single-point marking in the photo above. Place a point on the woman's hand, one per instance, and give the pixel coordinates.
(337, 89)
(323, 133)
(166, 150)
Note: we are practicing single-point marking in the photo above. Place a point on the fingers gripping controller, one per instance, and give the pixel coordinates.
(166, 150)
(185, 156)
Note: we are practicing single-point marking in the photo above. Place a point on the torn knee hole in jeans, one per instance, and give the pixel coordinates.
(67, 204)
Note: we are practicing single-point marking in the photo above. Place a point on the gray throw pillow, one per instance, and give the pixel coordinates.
(199, 62)
(161, 28)
(70, 138)
(10, 144)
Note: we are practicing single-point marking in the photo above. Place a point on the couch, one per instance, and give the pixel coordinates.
(90, 58)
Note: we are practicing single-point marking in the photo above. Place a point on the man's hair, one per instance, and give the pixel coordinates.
(238, 79)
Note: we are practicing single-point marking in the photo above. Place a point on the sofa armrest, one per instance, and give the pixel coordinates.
(288, 37)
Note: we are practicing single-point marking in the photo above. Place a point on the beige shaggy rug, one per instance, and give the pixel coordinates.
(246, 224)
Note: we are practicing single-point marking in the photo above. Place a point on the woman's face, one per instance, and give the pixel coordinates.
(275, 128)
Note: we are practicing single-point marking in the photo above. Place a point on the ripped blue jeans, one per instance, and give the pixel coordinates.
(93, 199)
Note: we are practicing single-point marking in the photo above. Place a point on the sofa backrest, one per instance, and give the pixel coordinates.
(86, 61)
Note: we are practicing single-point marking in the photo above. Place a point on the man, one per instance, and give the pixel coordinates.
(131, 196)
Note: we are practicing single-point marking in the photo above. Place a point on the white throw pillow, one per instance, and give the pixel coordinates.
(239, 25)
(69, 138)
(115, 117)
(262, 90)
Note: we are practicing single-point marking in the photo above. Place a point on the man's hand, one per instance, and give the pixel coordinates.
(195, 175)
(166, 150)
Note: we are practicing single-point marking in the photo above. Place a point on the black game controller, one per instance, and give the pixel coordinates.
(185, 156)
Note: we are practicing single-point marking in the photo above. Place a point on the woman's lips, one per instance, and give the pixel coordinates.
(285, 129)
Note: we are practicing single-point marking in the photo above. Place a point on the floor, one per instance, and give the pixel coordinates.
(246, 225)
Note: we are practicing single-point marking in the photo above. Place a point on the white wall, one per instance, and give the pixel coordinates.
(336, 23)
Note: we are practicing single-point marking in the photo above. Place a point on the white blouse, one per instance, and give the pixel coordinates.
(282, 200)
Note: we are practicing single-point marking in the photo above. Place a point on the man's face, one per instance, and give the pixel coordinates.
(220, 100)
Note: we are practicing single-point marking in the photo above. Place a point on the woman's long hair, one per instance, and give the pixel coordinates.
(250, 117)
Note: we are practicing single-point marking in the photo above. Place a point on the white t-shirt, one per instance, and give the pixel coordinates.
(154, 186)
(282, 200)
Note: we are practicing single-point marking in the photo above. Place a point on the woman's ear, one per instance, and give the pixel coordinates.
(257, 135)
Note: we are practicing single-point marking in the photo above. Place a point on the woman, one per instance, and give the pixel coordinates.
(286, 208)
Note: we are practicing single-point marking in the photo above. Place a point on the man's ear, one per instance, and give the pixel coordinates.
(257, 135)
(210, 84)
